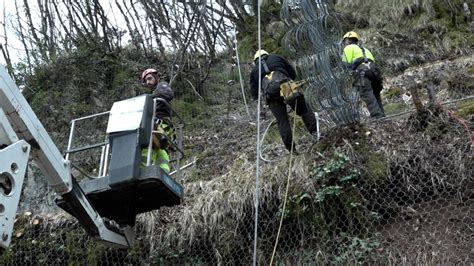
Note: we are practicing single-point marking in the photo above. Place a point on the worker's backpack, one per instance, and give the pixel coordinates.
(277, 84)
(271, 82)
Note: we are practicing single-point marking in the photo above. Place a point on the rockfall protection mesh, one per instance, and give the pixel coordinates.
(315, 38)
(390, 193)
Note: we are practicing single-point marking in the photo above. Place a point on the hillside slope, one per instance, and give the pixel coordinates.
(396, 190)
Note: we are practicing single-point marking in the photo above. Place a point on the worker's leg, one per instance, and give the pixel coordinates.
(304, 110)
(364, 86)
(376, 80)
(379, 101)
(278, 109)
(377, 87)
(158, 156)
(163, 159)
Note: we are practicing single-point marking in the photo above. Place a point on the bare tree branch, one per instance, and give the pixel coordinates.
(22, 36)
(5, 52)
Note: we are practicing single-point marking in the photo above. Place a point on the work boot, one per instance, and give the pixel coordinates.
(295, 152)
(375, 117)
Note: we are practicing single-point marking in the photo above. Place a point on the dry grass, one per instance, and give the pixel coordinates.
(217, 215)
(215, 222)
(401, 33)
(394, 12)
(214, 210)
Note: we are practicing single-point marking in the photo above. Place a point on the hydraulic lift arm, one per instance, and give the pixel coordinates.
(20, 129)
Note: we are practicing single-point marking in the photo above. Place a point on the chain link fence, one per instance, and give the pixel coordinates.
(389, 193)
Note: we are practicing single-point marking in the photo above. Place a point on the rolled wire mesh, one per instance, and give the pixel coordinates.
(314, 38)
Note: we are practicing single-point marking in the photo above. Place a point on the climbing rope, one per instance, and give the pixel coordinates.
(287, 187)
(240, 74)
(262, 149)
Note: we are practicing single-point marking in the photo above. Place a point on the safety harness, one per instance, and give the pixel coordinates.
(288, 88)
(361, 60)
(163, 138)
(164, 134)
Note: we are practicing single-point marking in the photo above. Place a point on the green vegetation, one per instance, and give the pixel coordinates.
(376, 168)
(336, 207)
(333, 177)
(394, 108)
(392, 92)
(470, 71)
(355, 250)
(466, 108)
(270, 37)
(64, 244)
(197, 112)
(121, 76)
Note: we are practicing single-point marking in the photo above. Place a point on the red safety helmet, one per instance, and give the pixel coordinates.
(148, 71)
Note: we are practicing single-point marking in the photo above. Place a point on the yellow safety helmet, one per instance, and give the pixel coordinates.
(259, 53)
(351, 34)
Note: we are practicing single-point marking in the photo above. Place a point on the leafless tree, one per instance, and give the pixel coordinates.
(186, 35)
(4, 49)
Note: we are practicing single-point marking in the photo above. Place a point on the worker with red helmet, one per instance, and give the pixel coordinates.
(150, 78)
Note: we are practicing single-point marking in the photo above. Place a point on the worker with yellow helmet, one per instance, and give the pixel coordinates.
(367, 76)
(276, 71)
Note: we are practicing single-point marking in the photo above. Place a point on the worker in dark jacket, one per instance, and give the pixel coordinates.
(150, 77)
(160, 90)
(367, 75)
(280, 70)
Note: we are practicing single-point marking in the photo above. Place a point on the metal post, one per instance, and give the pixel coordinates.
(150, 145)
(106, 160)
(316, 114)
(102, 158)
(71, 134)
(180, 146)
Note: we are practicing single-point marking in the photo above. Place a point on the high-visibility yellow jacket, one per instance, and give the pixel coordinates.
(353, 53)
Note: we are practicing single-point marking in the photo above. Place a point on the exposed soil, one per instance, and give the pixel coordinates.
(434, 232)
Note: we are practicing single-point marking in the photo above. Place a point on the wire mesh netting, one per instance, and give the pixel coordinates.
(314, 36)
(392, 191)
(409, 202)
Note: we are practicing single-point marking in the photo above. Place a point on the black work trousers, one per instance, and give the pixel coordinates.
(278, 108)
(368, 80)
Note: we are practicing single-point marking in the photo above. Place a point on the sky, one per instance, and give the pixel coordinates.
(15, 47)
(7, 10)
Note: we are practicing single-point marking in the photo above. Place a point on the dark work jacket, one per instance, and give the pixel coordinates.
(274, 63)
(164, 91)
